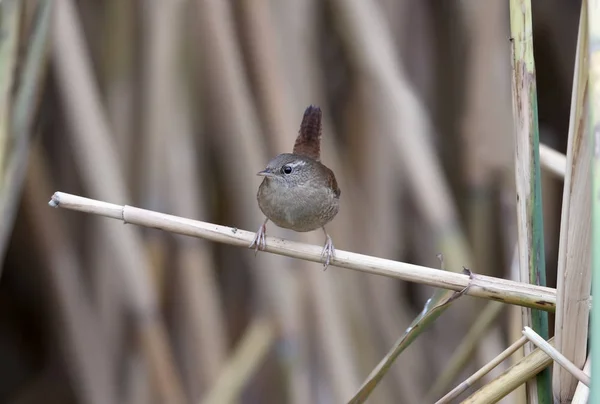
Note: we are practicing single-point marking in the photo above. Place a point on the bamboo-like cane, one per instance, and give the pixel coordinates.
(557, 356)
(488, 287)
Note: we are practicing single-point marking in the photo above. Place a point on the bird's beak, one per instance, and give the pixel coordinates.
(264, 173)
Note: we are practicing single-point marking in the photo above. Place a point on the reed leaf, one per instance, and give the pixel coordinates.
(594, 111)
(574, 272)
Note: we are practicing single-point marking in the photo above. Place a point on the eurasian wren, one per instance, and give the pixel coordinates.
(298, 191)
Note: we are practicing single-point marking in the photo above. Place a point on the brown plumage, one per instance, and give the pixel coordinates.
(298, 191)
(308, 142)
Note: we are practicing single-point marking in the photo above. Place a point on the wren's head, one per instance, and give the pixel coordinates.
(290, 170)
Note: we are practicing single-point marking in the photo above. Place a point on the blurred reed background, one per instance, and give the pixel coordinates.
(173, 106)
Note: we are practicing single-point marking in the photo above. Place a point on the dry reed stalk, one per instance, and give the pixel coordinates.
(324, 293)
(553, 161)
(486, 125)
(488, 287)
(514, 327)
(80, 332)
(23, 106)
(282, 123)
(303, 49)
(593, 11)
(137, 389)
(434, 307)
(516, 375)
(389, 311)
(10, 21)
(372, 322)
(243, 151)
(487, 152)
(488, 347)
(159, 49)
(239, 143)
(556, 355)
(272, 96)
(528, 177)
(100, 170)
(243, 363)
(461, 388)
(119, 77)
(582, 393)
(369, 45)
(487, 145)
(574, 260)
(117, 71)
(310, 86)
(199, 289)
(519, 395)
(384, 229)
(199, 323)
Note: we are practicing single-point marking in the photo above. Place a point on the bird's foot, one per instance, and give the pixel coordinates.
(260, 239)
(328, 251)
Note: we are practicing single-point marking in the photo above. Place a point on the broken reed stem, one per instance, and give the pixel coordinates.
(486, 287)
(525, 369)
(461, 388)
(557, 356)
(582, 393)
(553, 161)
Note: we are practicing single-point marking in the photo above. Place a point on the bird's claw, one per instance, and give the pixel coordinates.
(328, 251)
(260, 239)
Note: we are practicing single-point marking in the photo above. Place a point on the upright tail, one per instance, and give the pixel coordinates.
(308, 142)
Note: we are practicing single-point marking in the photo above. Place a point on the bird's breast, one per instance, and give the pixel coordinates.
(299, 208)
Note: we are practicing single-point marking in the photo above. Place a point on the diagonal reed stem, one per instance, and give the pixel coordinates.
(461, 388)
(525, 369)
(556, 355)
(487, 287)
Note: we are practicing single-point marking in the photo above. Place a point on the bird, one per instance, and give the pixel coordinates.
(298, 192)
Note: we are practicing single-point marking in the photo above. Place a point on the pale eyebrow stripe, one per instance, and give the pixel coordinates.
(297, 163)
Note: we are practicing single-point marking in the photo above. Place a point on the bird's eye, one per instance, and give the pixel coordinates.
(286, 170)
